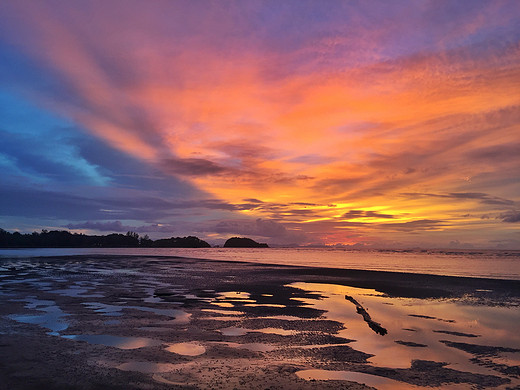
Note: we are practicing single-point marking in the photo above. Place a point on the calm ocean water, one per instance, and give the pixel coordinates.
(473, 263)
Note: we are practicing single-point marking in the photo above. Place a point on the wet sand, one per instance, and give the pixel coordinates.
(148, 322)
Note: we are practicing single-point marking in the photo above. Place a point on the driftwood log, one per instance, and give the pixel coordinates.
(375, 326)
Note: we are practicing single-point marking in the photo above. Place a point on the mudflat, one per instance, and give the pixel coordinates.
(148, 322)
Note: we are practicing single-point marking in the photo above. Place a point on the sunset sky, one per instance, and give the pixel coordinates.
(378, 123)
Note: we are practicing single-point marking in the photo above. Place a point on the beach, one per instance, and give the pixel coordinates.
(157, 322)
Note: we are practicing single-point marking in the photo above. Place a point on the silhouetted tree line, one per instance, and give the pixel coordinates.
(66, 239)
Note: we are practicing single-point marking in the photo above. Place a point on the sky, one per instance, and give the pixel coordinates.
(386, 124)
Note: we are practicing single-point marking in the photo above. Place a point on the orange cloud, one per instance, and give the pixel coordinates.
(240, 122)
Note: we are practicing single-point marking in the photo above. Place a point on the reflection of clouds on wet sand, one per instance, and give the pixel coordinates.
(186, 349)
(52, 319)
(417, 328)
(173, 328)
(115, 341)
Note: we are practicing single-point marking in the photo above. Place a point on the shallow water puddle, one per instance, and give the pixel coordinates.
(234, 295)
(178, 316)
(508, 358)
(229, 298)
(197, 298)
(223, 304)
(52, 319)
(76, 291)
(225, 312)
(187, 349)
(286, 318)
(370, 380)
(281, 332)
(430, 320)
(221, 318)
(235, 331)
(379, 382)
(120, 342)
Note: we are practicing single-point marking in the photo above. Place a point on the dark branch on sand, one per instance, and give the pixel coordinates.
(375, 326)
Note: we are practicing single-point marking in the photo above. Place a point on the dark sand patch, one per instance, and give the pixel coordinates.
(480, 350)
(410, 344)
(453, 333)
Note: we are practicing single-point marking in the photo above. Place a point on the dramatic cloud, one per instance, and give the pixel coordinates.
(353, 214)
(117, 226)
(376, 121)
(412, 226)
(483, 198)
(273, 230)
(511, 216)
(192, 167)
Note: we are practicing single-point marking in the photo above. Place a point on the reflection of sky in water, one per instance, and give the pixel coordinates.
(496, 326)
(225, 312)
(370, 380)
(222, 304)
(234, 295)
(186, 349)
(77, 291)
(264, 305)
(228, 298)
(52, 318)
(378, 382)
(115, 341)
(221, 318)
(235, 331)
(178, 316)
(286, 318)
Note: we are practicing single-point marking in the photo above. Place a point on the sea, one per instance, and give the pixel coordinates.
(494, 264)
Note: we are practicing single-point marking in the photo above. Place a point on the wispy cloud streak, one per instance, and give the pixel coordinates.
(397, 116)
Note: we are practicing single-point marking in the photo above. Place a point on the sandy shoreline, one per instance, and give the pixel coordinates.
(149, 322)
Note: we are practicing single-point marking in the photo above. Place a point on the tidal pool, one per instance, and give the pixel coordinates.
(120, 342)
(78, 291)
(187, 349)
(225, 312)
(178, 316)
(379, 382)
(52, 318)
(235, 331)
(436, 330)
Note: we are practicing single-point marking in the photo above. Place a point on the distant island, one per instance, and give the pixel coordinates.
(66, 239)
(240, 242)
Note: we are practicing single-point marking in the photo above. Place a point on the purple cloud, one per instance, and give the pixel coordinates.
(510, 216)
(118, 226)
